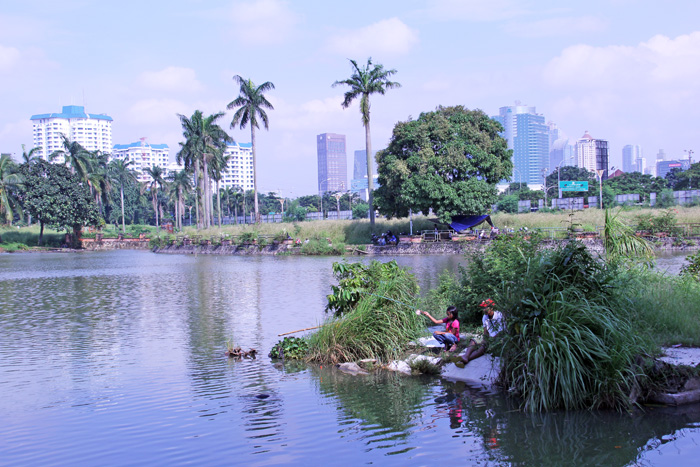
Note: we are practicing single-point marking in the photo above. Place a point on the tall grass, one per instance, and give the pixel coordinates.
(379, 326)
(30, 236)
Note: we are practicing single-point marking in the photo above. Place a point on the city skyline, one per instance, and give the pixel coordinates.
(622, 69)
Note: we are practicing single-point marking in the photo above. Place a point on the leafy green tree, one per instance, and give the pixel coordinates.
(251, 104)
(121, 174)
(508, 203)
(360, 211)
(365, 81)
(685, 179)
(181, 184)
(636, 182)
(10, 182)
(449, 160)
(57, 197)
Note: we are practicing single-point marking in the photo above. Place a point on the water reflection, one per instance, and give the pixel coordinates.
(118, 358)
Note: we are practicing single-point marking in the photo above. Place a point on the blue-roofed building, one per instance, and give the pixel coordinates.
(144, 156)
(92, 131)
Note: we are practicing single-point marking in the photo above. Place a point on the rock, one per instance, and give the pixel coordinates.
(481, 372)
(351, 368)
(400, 366)
(417, 358)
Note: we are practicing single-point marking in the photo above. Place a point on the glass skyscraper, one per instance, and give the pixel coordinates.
(332, 163)
(528, 136)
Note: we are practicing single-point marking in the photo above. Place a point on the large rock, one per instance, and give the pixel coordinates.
(481, 372)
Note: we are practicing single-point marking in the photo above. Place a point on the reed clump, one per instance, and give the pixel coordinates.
(378, 325)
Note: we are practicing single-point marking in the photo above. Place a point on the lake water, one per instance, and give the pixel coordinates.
(117, 358)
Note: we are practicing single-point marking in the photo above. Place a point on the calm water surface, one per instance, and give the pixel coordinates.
(117, 358)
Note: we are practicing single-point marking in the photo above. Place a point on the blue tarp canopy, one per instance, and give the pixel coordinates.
(460, 223)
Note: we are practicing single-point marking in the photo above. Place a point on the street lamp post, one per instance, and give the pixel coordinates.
(600, 173)
(544, 185)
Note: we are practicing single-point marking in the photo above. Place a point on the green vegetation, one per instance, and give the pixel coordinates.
(448, 161)
(378, 325)
(692, 269)
(295, 348)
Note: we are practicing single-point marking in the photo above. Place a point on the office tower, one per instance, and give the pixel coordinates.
(92, 131)
(592, 154)
(528, 137)
(359, 184)
(631, 155)
(332, 163)
(663, 167)
(143, 156)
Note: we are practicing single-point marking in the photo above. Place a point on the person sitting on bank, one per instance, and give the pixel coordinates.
(493, 325)
(450, 336)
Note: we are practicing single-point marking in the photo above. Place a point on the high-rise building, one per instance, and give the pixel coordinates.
(332, 163)
(631, 155)
(663, 167)
(92, 131)
(592, 154)
(359, 184)
(239, 170)
(143, 156)
(528, 136)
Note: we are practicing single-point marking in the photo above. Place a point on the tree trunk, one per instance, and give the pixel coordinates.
(155, 206)
(197, 194)
(207, 192)
(255, 175)
(218, 201)
(121, 193)
(370, 182)
(41, 233)
(76, 242)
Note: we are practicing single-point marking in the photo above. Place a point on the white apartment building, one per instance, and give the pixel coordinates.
(239, 171)
(144, 156)
(92, 131)
(585, 153)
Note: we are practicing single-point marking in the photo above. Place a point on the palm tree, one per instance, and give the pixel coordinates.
(120, 173)
(218, 165)
(181, 184)
(9, 181)
(29, 157)
(204, 139)
(156, 174)
(251, 103)
(370, 79)
(75, 156)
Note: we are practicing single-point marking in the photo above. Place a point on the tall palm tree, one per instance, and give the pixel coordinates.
(9, 181)
(366, 80)
(120, 173)
(181, 184)
(204, 139)
(251, 104)
(30, 157)
(157, 181)
(217, 168)
(75, 156)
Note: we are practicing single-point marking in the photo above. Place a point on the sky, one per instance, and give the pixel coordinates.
(627, 71)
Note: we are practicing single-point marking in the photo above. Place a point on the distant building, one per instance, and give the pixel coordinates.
(332, 163)
(92, 131)
(528, 137)
(239, 170)
(664, 167)
(143, 156)
(592, 154)
(632, 158)
(359, 184)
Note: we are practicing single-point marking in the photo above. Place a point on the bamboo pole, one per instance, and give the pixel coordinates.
(298, 330)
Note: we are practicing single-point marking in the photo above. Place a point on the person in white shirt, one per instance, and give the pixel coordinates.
(493, 325)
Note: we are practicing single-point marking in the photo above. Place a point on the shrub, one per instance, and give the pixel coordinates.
(295, 348)
(692, 269)
(664, 222)
(322, 247)
(378, 325)
(360, 211)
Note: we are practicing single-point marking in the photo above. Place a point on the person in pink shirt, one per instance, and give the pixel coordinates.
(450, 336)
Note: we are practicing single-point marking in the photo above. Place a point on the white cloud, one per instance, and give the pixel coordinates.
(473, 10)
(9, 58)
(171, 79)
(562, 26)
(262, 22)
(155, 112)
(387, 37)
(661, 60)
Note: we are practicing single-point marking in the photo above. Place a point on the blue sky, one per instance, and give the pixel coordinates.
(625, 70)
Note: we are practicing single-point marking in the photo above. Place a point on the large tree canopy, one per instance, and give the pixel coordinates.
(449, 160)
(56, 197)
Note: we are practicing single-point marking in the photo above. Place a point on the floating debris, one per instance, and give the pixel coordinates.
(237, 352)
